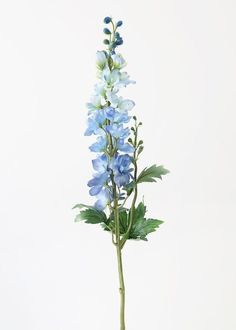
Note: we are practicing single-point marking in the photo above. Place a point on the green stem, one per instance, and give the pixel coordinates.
(131, 218)
(119, 260)
(122, 288)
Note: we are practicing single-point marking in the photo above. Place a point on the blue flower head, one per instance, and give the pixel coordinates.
(96, 184)
(121, 169)
(108, 114)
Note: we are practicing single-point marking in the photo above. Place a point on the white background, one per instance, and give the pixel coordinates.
(58, 275)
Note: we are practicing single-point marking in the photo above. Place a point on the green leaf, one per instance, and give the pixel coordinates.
(141, 226)
(92, 216)
(129, 187)
(82, 206)
(151, 173)
(123, 219)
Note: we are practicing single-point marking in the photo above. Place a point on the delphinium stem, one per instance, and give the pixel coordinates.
(120, 264)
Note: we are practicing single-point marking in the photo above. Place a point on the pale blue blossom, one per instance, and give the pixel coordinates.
(101, 60)
(118, 61)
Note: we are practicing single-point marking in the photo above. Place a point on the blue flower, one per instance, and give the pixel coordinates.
(109, 113)
(118, 131)
(121, 169)
(103, 198)
(96, 183)
(125, 147)
(100, 165)
(100, 145)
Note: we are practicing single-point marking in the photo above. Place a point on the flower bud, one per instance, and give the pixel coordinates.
(106, 41)
(119, 41)
(140, 150)
(134, 118)
(107, 20)
(117, 35)
(119, 23)
(106, 31)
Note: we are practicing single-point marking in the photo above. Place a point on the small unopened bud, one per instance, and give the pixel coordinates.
(106, 31)
(140, 149)
(130, 140)
(107, 20)
(119, 41)
(140, 142)
(119, 23)
(140, 123)
(134, 117)
(106, 42)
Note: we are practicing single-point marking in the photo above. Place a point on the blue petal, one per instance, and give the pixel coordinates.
(103, 199)
(125, 147)
(100, 164)
(99, 145)
(95, 190)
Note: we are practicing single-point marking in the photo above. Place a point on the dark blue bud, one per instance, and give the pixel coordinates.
(119, 23)
(117, 35)
(106, 31)
(119, 41)
(106, 42)
(107, 20)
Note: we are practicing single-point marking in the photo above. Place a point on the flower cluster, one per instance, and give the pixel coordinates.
(108, 116)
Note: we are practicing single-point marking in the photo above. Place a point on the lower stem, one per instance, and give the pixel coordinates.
(122, 287)
(119, 261)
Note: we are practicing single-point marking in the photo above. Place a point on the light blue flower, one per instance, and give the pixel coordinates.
(97, 183)
(95, 103)
(101, 60)
(112, 97)
(95, 122)
(111, 77)
(124, 147)
(100, 165)
(118, 130)
(125, 105)
(109, 113)
(124, 80)
(92, 127)
(100, 145)
(121, 169)
(118, 61)
(103, 198)
(121, 117)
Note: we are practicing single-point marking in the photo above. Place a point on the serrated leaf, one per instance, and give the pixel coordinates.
(149, 174)
(82, 206)
(129, 187)
(91, 216)
(141, 226)
(123, 221)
